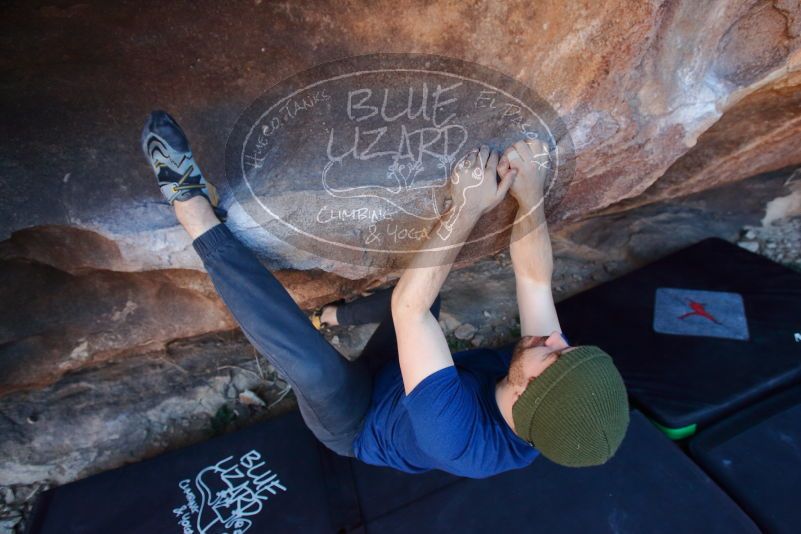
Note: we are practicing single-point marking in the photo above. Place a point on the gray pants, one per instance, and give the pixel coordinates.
(333, 394)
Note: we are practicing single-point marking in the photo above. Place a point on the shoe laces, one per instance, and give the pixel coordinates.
(183, 187)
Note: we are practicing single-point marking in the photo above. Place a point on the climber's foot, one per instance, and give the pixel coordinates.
(167, 150)
(329, 315)
(325, 316)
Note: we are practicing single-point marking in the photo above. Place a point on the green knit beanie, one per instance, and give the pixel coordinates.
(576, 412)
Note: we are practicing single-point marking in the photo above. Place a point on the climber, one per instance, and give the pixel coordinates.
(406, 402)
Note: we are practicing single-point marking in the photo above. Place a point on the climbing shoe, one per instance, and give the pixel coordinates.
(167, 149)
(316, 319)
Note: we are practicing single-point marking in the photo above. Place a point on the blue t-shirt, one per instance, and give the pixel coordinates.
(450, 421)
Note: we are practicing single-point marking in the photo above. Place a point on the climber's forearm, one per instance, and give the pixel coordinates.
(532, 260)
(530, 248)
(420, 283)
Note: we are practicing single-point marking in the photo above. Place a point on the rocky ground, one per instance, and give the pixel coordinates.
(780, 242)
(130, 409)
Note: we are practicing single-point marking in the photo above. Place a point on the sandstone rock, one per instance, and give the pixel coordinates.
(104, 416)
(661, 99)
(448, 322)
(751, 246)
(55, 322)
(248, 398)
(788, 206)
(464, 331)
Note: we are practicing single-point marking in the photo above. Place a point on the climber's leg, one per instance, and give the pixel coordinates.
(363, 310)
(333, 394)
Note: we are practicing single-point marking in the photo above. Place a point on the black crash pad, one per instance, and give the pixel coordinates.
(649, 486)
(382, 489)
(755, 456)
(725, 360)
(266, 478)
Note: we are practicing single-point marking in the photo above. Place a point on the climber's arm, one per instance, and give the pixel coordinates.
(530, 249)
(422, 347)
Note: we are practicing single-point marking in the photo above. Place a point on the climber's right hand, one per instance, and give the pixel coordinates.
(474, 184)
(474, 189)
(530, 159)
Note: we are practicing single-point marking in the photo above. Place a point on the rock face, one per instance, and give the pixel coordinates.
(661, 98)
(99, 418)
